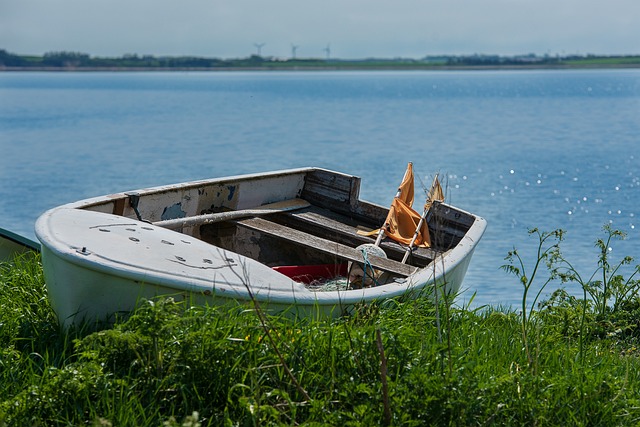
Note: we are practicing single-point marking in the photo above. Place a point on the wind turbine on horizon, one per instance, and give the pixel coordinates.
(328, 50)
(294, 49)
(259, 47)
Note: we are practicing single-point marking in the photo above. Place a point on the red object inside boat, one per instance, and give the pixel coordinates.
(310, 273)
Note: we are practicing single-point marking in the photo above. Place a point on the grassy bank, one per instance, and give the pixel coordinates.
(570, 361)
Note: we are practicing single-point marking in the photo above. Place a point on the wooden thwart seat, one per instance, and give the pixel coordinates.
(334, 248)
(325, 223)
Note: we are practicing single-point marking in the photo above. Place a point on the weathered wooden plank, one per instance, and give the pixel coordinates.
(327, 246)
(332, 226)
(330, 189)
(451, 216)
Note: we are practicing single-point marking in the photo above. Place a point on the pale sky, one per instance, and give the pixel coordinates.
(352, 28)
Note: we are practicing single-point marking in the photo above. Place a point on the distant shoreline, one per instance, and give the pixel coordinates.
(82, 62)
(325, 68)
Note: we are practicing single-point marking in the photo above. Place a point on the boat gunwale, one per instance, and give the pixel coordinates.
(193, 184)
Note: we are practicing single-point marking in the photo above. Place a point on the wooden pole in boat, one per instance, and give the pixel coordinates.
(381, 231)
(423, 218)
(398, 194)
(284, 206)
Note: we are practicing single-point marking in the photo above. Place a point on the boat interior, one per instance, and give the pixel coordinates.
(317, 235)
(325, 233)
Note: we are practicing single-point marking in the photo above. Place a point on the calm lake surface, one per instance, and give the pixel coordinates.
(524, 149)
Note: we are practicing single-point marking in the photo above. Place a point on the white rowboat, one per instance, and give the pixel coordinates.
(244, 238)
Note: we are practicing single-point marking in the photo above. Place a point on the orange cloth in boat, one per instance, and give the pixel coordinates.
(402, 221)
(435, 193)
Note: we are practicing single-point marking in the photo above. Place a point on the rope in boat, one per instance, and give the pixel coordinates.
(367, 266)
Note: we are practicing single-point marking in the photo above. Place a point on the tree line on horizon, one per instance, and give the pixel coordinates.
(74, 60)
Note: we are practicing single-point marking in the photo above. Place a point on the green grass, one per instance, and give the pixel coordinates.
(603, 61)
(169, 364)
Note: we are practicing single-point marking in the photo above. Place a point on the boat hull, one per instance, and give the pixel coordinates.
(100, 260)
(99, 297)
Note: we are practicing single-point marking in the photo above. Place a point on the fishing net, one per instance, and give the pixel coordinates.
(333, 284)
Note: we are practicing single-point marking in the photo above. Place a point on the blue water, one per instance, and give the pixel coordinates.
(547, 149)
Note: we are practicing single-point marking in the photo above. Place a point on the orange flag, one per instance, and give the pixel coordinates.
(402, 221)
(435, 193)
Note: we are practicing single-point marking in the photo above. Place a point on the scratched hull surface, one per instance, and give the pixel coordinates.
(102, 255)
